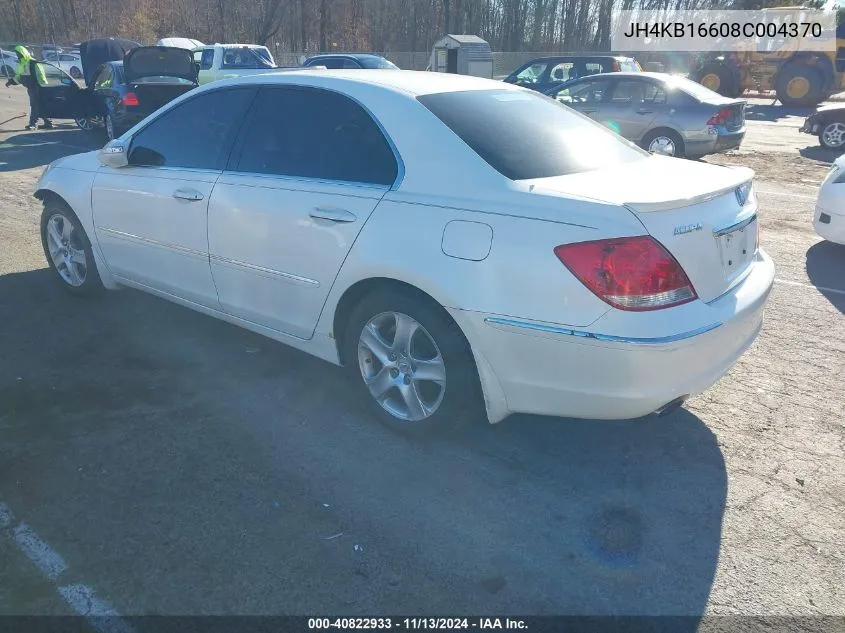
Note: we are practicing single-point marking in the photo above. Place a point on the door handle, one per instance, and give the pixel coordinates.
(187, 194)
(333, 215)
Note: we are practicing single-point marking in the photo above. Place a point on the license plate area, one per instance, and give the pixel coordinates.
(736, 248)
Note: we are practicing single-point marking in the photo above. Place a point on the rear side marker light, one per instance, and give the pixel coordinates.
(629, 273)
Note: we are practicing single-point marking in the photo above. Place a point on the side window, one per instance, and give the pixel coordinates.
(636, 92)
(584, 92)
(207, 59)
(195, 134)
(531, 75)
(350, 63)
(103, 79)
(593, 68)
(52, 75)
(331, 63)
(314, 133)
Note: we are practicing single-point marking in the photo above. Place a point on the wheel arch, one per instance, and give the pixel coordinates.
(495, 403)
(665, 128)
(47, 195)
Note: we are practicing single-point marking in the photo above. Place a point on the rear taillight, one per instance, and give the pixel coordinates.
(130, 99)
(721, 117)
(629, 273)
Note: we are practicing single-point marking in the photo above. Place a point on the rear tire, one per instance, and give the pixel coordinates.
(68, 249)
(418, 383)
(664, 142)
(799, 86)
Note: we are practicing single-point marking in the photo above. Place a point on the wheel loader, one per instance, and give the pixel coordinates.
(799, 78)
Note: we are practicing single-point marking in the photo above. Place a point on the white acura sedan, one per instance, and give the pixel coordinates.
(452, 241)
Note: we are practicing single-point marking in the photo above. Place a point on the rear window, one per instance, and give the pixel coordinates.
(629, 67)
(692, 88)
(525, 135)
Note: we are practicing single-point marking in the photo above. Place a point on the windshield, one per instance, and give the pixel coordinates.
(527, 135)
(378, 62)
(247, 57)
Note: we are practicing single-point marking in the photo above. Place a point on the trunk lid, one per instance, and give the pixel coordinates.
(153, 95)
(693, 209)
(159, 61)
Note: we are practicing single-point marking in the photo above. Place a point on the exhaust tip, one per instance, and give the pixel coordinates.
(669, 407)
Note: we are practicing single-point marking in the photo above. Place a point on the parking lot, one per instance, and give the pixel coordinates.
(173, 464)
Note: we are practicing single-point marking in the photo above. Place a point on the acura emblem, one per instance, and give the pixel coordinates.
(687, 228)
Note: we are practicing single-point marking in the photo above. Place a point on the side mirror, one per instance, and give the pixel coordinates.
(114, 154)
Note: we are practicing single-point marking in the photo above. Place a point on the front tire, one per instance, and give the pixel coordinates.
(68, 249)
(799, 86)
(412, 363)
(832, 135)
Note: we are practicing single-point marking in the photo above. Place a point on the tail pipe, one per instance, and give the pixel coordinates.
(669, 407)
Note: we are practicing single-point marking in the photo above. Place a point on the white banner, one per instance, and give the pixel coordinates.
(767, 30)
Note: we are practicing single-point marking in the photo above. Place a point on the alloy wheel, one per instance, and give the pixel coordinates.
(402, 366)
(662, 145)
(67, 250)
(833, 134)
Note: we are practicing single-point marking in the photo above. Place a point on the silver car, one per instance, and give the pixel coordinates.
(664, 114)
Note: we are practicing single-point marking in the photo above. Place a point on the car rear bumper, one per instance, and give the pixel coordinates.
(551, 369)
(721, 141)
(829, 225)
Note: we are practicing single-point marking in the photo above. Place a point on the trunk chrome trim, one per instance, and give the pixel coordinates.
(724, 229)
(657, 340)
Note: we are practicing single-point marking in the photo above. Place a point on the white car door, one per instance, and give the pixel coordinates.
(307, 172)
(151, 217)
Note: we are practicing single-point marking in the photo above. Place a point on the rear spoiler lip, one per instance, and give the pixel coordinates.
(680, 203)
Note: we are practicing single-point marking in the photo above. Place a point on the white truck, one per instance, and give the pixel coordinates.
(222, 61)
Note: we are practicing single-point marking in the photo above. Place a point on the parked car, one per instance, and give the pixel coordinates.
(225, 61)
(334, 61)
(8, 63)
(664, 114)
(560, 263)
(68, 62)
(180, 42)
(121, 93)
(829, 215)
(540, 74)
(828, 124)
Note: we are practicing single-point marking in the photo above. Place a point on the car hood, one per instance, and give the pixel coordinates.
(159, 61)
(828, 108)
(651, 184)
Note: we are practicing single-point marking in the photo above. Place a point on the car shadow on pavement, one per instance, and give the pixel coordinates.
(42, 147)
(773, 113)
(825, 263)
(820, 154)
(185, 465)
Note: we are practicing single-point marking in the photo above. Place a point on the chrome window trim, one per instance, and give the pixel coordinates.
(658, 340)
(302, 179)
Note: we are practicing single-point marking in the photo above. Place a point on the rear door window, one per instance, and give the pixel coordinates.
(535, 137)
(196, 134)
(312, 133)
(104, 78)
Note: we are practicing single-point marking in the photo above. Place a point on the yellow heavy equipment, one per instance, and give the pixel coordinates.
(802, 78)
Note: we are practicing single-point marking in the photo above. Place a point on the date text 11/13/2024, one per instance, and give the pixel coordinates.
(417, 624)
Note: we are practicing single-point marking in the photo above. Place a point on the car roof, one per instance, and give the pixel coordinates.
(351, 55)
(410, 82)
(551, 58)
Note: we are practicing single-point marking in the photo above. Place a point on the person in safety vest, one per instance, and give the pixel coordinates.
(30, 74)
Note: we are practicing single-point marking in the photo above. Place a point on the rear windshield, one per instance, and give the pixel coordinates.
(525, 135)
(690, 87)
(377, 62)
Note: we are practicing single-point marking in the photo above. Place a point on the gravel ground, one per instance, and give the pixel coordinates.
(179, 465)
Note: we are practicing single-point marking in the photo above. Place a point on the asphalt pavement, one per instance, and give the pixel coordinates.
(178, 465)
